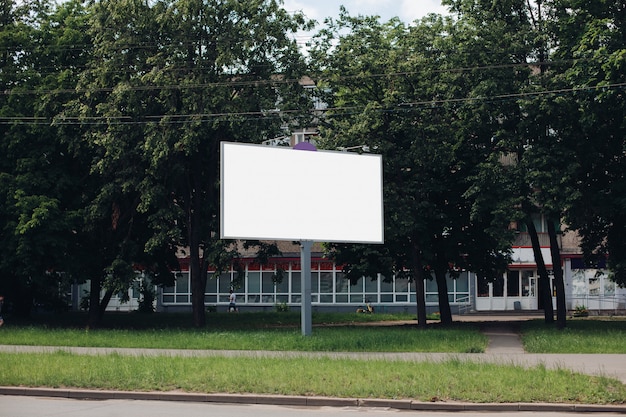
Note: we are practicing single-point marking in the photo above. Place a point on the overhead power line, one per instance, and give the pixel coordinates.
(328, 112)
(236, 80)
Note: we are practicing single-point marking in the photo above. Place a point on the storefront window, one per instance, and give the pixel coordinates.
(182, 283)
(267, 282)
(341, 288)
(225, 282)
(282, 287)
(386, 290)
(462, 283)
(356, 292)
(296, 287)
(512, 283)
(182, 288)
(498, 287)
(371, 284)
(483, 287)
(431, 285)
(210, 290)
(431, 289)
(450, 284)
(371, 289)
(386, 285)
(254, 286)
(315, 285)
(326, 287)
(211, 284)
(461, 288)
(402, 289)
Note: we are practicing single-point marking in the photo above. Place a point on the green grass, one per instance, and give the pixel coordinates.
(454, 380)
(215, 321)
(257, 331)
(581, 335)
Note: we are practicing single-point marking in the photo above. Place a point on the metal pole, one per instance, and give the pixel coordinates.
(305, 279)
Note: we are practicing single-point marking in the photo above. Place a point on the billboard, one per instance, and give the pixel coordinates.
(276, 193)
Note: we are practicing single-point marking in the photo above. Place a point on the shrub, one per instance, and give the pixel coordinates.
(281, 308)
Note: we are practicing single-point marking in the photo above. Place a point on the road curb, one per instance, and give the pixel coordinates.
(304, 401)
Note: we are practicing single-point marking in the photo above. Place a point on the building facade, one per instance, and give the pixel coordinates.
(264, 287)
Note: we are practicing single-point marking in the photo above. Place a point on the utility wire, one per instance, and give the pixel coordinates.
(326, 112)
(234, 82)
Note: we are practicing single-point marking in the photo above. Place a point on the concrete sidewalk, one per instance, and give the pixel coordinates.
(504, 347)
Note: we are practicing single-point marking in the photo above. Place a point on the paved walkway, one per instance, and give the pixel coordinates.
(505, 347)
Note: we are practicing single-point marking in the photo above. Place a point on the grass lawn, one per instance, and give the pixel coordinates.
(454, 380)
(249, 331)
(581, 335)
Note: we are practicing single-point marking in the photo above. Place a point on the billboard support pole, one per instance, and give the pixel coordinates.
(305, 280)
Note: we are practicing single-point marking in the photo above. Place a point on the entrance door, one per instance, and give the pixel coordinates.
(529, 290)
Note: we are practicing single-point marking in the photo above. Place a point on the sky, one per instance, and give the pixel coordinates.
(406, 10)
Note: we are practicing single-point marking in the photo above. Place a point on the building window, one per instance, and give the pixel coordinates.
(371, 289)
(356, 292)
(326, 287)
(401, 290)
(386, 290)
(461, 288)
(182, 288)
(609, 286)
(528, 283)
(458, 289)
(432, 296)
(225, 285)
(296, 287)
(483, 286)
(341, 288)
(253, 292)
(210, 291)
(512, 283)
(282, 288)
(591, 283)
(315, 283)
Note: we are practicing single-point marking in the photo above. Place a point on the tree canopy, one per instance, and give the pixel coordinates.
(111, 115)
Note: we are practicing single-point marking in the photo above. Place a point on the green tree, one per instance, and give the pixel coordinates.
(39, 174)
(511, 43)
(63, 220)
(169, 81)
(591, 56)
(390, 90)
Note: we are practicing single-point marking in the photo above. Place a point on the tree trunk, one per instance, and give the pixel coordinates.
(442, 291)
(557, 270)
(198, 286)
(418, 278)
(103, 304)
(544, 279)
(194, 231)
(94, 316)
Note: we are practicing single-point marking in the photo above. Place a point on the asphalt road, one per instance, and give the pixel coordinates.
(19, 406)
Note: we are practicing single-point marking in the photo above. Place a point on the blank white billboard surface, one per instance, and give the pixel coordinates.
(276, 193)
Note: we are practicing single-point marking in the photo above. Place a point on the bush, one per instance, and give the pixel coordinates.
(281, 308)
